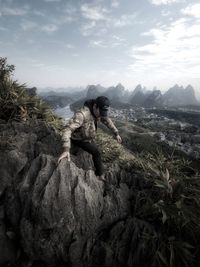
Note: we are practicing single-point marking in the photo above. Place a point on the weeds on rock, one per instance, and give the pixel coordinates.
(165, 215)
(16, 104)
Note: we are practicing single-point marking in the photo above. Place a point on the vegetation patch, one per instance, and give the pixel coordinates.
(165, 211)
(17, 103)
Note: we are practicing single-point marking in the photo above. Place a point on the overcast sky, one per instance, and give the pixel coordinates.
(59, 43)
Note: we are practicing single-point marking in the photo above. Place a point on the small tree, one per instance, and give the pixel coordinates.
(5, 69)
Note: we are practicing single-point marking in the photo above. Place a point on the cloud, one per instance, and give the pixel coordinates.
(51, 1)
(61, 44)
(49, 28)
(61, 20)
(15, 11)
(110, 42)
(67, 14)
(27, 25)
(115, 3)
(69, 9)
(39, 13)
(69, 46)
(87, 28)
(9, 1)
(165, 2)
(174, 51)
(93, 12)
(3, 28)
(192, 10)
(124, 20)
(118, 41)
(53, 23)
(98, 43)
(100, 28)
(118, 38)
(166, 13)
(98, 20)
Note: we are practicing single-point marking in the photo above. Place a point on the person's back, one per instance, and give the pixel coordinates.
(87, 130)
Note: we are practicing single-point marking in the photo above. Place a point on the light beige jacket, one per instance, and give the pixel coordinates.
(82, 127)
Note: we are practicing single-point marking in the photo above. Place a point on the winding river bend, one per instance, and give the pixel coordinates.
(65, 112)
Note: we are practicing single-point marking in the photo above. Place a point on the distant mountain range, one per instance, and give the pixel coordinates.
(119, 96)
(175, 96)
(57, 99)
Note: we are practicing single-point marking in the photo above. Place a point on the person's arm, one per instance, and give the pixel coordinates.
(108, 122)
(74, 123)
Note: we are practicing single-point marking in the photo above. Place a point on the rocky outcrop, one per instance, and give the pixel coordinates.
(178, 95)
(93, 91)
(61, 215)
(116, 93)
(138, 98)
(154, 99)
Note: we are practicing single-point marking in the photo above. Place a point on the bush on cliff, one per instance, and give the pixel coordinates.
(16, 103)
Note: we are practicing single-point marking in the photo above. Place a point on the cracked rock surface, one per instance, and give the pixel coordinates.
(59, 215)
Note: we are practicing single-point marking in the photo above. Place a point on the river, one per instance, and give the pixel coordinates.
(65, 112)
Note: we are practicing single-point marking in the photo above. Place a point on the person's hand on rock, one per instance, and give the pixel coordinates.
(66, 155)
(119, 140)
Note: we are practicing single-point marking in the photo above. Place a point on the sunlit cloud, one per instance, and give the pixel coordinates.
(93, 12)
(98, 43)
(165, 13)
(174, 51)
(119, 39)
(100, 28)
(111, 42)
(122, 21)
(192, 10)
(165, 2)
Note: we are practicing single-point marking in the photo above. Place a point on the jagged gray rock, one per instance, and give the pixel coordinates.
(62, 214)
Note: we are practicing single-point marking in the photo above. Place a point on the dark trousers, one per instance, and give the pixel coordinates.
(92, 149)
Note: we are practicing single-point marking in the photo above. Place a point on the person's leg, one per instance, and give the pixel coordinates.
(94, 151)
(74, 150)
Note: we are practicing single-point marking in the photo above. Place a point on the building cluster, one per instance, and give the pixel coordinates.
(181, 135)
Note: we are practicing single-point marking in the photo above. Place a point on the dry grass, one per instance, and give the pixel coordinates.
(166, 214)
(16, 104)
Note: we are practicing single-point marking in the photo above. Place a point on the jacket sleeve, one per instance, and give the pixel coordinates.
(74, 123)
(108, 122)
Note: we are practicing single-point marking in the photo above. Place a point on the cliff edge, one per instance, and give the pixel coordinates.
(59, 215)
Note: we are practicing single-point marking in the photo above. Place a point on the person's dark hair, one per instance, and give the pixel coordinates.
(103, 104)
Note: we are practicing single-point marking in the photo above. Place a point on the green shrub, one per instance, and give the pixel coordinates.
(16, 104)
